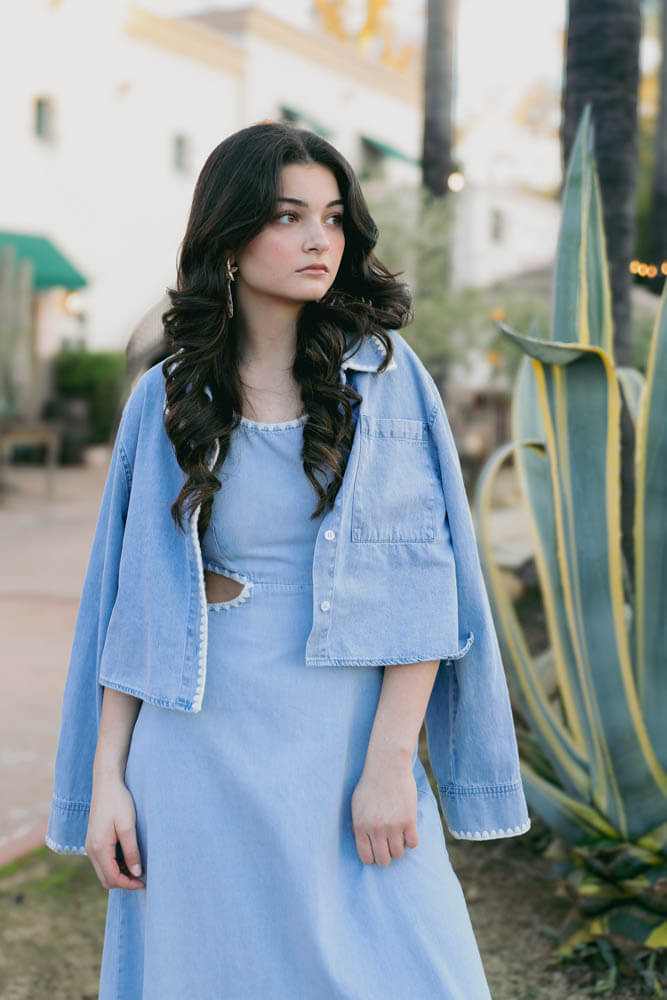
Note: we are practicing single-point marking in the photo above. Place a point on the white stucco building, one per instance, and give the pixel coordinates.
(110, 110)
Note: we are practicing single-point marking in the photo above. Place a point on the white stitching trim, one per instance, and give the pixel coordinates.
(63, 848)
(282, 425)
(380, 345)
(352, 363)
(203, 618)
(242, 596)
(491, 834)
(203, 606)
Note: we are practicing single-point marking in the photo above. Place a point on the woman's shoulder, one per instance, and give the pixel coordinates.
(403, 352)
(409, 364)
(145, 402)
(151, 383)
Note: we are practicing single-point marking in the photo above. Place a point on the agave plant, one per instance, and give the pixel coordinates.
(594, 757)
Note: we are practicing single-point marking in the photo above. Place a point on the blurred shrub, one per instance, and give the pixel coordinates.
(416, 240)
(99, 378)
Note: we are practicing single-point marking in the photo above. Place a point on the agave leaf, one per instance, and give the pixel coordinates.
(632, 383)
(655, 840)
(651, 540)
(616, 861)
(579, 402)
(629, 927)
(595, 896)
(649, 888)
(582, 300)
(657, 937)
(536, 487)
(596, 286)
(570, 818)
(557, 742)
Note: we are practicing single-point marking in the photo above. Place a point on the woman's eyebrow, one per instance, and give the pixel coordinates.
(297, 201)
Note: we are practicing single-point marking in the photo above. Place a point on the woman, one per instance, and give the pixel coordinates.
(284, 518)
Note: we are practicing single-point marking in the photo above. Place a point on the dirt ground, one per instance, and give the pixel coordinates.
(52, 912)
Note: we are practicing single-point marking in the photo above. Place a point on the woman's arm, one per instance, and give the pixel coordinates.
(112, 812)
(384, 803)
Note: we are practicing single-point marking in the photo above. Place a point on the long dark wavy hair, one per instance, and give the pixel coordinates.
(234, 198)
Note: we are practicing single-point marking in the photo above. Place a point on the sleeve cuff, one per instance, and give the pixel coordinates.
(67, 827)
(474, 813)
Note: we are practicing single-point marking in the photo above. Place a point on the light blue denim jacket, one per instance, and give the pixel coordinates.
(396, 579)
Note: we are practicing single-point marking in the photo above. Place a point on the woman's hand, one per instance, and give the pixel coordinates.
(112, 819)
(384, 810)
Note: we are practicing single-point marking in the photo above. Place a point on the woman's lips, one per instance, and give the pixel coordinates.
(314, 269)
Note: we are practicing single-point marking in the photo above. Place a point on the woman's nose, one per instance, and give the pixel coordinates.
(317, 237)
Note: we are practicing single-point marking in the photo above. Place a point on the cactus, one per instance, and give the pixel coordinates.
(594, 759)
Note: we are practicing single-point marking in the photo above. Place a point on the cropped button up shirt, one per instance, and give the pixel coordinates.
(396, 579)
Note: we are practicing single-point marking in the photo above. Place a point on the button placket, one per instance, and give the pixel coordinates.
(323, 576)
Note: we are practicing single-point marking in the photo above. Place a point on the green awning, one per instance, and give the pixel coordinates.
(50, 267)
(294, 115)
(387, 150)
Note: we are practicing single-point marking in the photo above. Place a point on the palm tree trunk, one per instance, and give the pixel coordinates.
(437, 161)
(659, 201)
(602, 66)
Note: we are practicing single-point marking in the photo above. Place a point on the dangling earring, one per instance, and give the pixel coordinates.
(229, 274)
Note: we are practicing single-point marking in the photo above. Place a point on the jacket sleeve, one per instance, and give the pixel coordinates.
(82, 698)
(469, 725)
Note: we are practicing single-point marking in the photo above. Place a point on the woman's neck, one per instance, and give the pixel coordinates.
(266, 334)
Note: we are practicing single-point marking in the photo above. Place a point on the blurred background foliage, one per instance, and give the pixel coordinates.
(99, 378)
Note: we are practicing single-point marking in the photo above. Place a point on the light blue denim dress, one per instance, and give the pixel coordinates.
(254, 887)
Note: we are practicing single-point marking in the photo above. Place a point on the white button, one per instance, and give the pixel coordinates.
(324, 606)
(329, 534)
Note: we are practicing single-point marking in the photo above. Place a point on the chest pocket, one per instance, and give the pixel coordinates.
(397, 494)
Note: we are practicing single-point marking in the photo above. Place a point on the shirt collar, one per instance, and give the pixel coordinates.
(369, 355)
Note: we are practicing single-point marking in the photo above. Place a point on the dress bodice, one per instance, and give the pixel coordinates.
(260, 522)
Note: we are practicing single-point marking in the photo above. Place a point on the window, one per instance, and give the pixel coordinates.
(181, 153)
(372, 161)
(43, 118)
(497, 225)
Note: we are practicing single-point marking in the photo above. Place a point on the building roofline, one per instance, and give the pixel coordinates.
(325, 50)
(187, 38)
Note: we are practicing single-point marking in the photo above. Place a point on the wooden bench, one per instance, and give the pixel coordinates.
(46, 434)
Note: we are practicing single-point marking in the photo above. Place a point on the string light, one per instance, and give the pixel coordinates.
(647, 270)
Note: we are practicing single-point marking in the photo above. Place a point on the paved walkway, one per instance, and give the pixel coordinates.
(44, 548)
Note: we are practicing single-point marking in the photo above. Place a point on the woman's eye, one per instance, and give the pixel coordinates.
(337, 217)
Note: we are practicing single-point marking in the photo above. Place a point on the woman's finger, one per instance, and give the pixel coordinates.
(364, 849)
(130, 850)
(411, 834)
(112, 876)
(378, 838)
(396, 843)
(98, 871)
(101, 856)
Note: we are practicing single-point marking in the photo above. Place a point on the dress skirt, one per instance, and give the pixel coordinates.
(253, 886)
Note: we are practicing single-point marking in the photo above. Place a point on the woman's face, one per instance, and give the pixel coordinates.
(296, 256)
